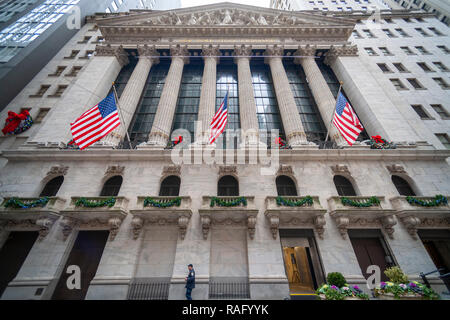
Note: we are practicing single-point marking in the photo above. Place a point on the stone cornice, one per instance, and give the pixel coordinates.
(109, 50)
(334, 52)
(50, 154)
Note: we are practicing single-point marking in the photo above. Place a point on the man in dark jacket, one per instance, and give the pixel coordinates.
(190, 282)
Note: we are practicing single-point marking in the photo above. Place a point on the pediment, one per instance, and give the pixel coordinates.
(223, 15)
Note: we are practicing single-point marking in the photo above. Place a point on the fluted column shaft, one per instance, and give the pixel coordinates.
(131, 95)
(247, 104)
(323, 96)
(207, 103)
(162, 124)
(292, 123)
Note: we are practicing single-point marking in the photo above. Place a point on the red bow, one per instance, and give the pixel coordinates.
(377, 139)
(14, 120)
(178, 140)
(279, 141)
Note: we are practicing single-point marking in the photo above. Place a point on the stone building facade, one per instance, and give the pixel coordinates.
(255, 224)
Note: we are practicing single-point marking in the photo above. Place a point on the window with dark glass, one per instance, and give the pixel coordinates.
(142, 122)
(189, 96)
(266, 101)
(112, 187)
(403, 187)
(343, 186)
(312, 122)
(170, 186)
(285, 186)
(227, 79)
(52, 187)
(228, 186)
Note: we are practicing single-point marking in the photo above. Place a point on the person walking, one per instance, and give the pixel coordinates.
(190, 282)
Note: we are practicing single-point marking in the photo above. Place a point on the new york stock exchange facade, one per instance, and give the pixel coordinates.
(132, 219)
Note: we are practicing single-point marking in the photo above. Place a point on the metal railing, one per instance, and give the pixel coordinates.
(444, 277)
(149, 289)
(231, 288)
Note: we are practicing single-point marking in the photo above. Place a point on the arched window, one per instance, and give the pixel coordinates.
(112, 186)
(403, 187)
(285, 186)
(52, 187)
(170, 186)
(343, 186)
(228, 186)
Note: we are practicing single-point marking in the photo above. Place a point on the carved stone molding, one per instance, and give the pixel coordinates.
(396, 168)
(117, 51)
(149, 52)
(115, 170)
(274, 222)
(342, 223)
(114, 225)
(68, 225)
(340, 169)
(183, 222)
(334, 52)
(58, 171)
(180, 51)
(388, 224)
(171, 171)
(137, 223)
(44, 227)
(211, 51)
(273, 51)
(242, 51)
(285, 170)
(319, 224)
(411, 223)
(251, 225)
(227, 170)
(206, 224)
(305, 51)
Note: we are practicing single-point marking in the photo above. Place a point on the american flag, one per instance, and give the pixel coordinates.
(346, 120)
(219, 120)
(96, 123)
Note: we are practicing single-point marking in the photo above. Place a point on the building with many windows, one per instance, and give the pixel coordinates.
(32, 32)
(256, 220)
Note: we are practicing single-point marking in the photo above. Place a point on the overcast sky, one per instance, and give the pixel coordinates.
(193, 3)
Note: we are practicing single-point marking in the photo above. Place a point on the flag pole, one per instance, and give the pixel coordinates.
(334, 111)
(120, 114)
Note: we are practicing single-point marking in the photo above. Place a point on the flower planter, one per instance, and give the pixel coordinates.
(322, 297)
(390, 296)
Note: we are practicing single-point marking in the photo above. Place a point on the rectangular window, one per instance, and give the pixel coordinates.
(442, 83)
(58, 71)
(436, 31)
(402, 33)
(398, 84)
(400, 67)
(356, 34)
(441, 66)
(73, 54)
(42, 90)
(424, 67)
(59, 91)
(74, 71)
(420, 111)
(407, 50)
(85, 39)
(384, 67)
(88, 54)
(422, 50)
(422, 32)
(368, 33)
(440, 111)
(41, 115)
(443, 138)
(370, 52)
(385, 51)
(416, 84)
(444, 49)
(389, 33)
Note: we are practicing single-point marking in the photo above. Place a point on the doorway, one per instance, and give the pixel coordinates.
(13, 255)
(86, 254)
(301, 261)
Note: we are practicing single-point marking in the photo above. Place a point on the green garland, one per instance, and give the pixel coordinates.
(437, 201)
(159, 204)
(228, 203)
(83, 202)
(16, 203)
(372, 201)
(289, 203)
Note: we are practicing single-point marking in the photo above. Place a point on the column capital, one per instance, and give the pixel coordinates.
(211, 51)
(149, 52)
(242, 51)
(180, 51)
(334, 52)
(117, 51)
(304, 51)
(273, 52)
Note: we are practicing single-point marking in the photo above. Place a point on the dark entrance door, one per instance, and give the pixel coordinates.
(370, 251)
(86, 253)
(13, 255)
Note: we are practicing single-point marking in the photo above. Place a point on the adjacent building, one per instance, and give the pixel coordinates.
(256, 221)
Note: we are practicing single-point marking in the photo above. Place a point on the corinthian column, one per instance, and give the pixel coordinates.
(207, 104)
(323, 96)
(290, 116)
(162, 124)
(132, 93)
(247, 104)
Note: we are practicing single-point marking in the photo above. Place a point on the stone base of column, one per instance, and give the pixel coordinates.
(103, 145)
